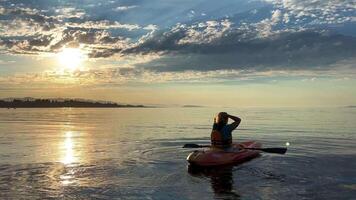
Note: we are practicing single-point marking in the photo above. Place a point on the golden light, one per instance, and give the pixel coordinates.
(68, 147)
(71, 58)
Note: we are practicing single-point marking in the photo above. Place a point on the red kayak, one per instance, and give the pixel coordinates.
(210, 157)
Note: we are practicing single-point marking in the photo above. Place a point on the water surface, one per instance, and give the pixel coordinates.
(136, 153)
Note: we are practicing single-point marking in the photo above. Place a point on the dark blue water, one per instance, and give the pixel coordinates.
(137, 154)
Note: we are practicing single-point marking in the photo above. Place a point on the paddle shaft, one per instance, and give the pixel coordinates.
(267, 150)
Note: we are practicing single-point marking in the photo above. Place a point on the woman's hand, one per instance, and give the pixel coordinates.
(236, 122)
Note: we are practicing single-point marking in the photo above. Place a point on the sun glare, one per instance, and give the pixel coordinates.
(68, 149)
(71, 58)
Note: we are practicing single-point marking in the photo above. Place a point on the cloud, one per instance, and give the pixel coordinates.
(6, 61)
(33, 31)
(103, 24)
(204, 32)
(124, 8)
(24, 22)
(214, 46)
(265, 26)
(260, 42)
(117, 76)
(69, 13)
(318, 11)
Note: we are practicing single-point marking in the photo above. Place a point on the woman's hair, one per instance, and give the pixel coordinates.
(220, 121)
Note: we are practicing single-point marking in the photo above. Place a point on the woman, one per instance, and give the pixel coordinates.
(221, 134)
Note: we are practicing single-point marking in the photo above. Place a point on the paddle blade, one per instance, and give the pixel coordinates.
(191, 146)
(274, 150)
(194, 146)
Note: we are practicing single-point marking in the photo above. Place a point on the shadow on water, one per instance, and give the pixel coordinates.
(221, 179)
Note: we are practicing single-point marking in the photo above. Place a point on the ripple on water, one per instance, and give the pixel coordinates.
(127, 158)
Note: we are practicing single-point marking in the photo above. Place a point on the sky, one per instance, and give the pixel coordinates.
(176, 52)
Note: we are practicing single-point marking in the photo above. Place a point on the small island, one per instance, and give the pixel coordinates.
(29, 102)
(192, 106)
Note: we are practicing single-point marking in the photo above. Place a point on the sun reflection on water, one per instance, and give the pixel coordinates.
(68, 157)
(67, 179)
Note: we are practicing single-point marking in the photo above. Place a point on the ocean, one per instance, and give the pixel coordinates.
(136, 153)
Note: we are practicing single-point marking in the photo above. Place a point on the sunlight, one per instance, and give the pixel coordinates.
(68, 148)
(67, 179)
(71, 58)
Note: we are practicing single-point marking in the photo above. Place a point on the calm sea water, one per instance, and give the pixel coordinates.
(136, 154)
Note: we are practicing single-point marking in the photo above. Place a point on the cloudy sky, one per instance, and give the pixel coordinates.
(223, 53)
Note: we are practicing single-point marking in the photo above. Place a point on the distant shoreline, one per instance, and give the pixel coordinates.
(192, 106)
(79, 107)
(61, 103)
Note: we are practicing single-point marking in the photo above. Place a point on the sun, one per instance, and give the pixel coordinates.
(71, 58)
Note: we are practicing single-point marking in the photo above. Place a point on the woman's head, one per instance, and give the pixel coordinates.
(221, 118)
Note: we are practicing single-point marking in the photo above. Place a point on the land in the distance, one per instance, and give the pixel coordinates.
(192, 106)
(29, 102)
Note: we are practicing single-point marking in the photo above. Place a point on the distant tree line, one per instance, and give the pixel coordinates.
(53, 103)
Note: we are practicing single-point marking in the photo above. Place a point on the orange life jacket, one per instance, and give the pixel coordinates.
(217, 140)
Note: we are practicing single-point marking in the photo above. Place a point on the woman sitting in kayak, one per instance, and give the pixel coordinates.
(221, 134)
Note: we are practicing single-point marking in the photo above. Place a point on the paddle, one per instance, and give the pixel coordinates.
(267, 150)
